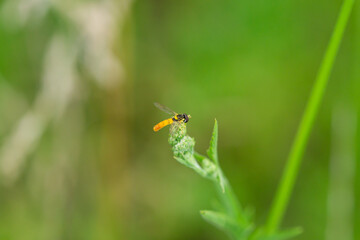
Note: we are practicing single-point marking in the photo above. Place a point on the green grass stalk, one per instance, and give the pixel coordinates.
(297, 151)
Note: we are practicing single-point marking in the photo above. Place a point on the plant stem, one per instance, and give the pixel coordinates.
(292, 167)
(231, 203)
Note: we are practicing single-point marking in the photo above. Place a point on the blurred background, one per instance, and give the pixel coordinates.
(79, 159)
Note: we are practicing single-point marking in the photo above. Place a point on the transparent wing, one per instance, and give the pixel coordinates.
(164, 109)
(174, 127)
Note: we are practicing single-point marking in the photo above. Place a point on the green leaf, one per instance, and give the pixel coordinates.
(287, 234)
(199, 157)
(212, 151)
(189, 161)
(227, 224)
(213, 155)
(283, 235)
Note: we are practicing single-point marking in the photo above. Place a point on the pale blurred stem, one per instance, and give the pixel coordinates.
(231, 202)
(228, 198)
(292, 167)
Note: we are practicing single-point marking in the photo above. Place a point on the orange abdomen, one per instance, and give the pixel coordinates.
(162, 124)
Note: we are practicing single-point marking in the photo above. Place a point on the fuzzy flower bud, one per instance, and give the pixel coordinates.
(183, 149)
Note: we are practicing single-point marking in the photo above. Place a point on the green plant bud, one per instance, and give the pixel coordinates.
(184, 146)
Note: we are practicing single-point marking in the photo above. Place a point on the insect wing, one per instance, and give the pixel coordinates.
(165, 109)
(175, 126)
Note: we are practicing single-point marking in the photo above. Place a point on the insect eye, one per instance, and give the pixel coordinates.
(186, 118)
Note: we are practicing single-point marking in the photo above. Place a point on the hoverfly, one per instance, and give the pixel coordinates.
(177, 118)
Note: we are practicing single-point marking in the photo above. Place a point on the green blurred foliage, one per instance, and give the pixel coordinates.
(100, 172)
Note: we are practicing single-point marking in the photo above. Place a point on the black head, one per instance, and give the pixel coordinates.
(182, 117)
(185, 117)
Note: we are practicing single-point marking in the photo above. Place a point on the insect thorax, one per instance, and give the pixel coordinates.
(181, 117)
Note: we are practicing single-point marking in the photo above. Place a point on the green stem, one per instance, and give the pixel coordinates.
(292, 167)
(231, 203)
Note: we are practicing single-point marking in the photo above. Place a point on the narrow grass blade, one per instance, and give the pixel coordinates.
(213, 155)
(212, 151)
(292, 168)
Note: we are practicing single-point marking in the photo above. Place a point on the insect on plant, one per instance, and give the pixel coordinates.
(176, 119)
(232, 218)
